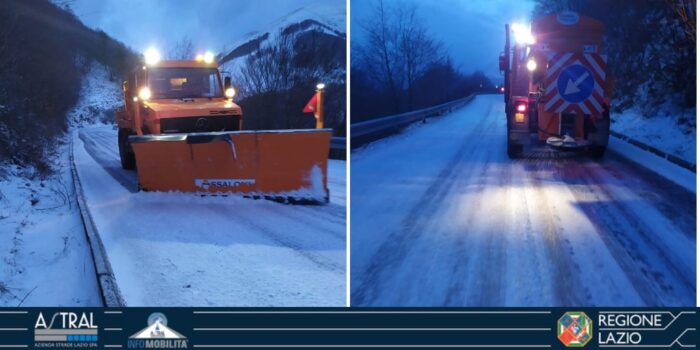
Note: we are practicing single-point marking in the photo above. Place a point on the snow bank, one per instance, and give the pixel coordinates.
(99, 98)
(42, 240)
(665, 132)
(673, 172)
(46, 258)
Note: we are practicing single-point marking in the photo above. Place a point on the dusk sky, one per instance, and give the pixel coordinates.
(211, 24)
(472, 31)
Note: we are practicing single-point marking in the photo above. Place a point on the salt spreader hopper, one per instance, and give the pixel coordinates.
(182, 132)
(556, 86)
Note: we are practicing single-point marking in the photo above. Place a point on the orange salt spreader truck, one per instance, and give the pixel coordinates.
(181, 130)
(556, 88)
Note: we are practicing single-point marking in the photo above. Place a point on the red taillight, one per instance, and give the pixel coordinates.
(521, 108)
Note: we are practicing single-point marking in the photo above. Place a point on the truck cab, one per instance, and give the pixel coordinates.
(168, 97)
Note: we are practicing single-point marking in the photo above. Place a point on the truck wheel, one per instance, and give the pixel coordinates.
(597, 151)
(514, 150)
(126, 154)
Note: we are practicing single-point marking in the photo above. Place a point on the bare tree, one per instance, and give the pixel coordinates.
(398, 50)
(268, 69)
(183, 50)
(380, 55)
(685, 9)
(418, 49)
(276, 80)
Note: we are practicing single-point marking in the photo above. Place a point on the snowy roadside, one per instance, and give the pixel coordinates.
(46, 258)
(662, 132)
(663, 167)
(667, 133)
(99, 98)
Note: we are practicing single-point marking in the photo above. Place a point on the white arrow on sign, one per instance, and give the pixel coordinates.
(572, 87)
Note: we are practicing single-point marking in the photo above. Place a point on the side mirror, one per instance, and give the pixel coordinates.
(227, 82)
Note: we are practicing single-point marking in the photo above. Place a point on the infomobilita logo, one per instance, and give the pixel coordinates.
(575, 329)
(157, 335)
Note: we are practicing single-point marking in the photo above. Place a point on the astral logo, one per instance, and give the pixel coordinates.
(574, 329)
(65, 330)
(157, 335)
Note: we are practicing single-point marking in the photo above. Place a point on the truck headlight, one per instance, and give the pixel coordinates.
(522, 33)
(145, 93)
(531, 65)
(208, 57)
(151, 56)
(230, 92)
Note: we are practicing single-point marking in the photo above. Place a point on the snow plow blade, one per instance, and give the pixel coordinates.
(286, 165)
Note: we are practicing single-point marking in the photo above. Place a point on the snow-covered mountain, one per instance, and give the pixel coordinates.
(322, 21)
(276, 70)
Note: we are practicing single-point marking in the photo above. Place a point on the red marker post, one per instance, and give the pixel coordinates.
(315, 105)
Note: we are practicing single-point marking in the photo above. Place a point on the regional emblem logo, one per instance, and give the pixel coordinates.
(574, 329)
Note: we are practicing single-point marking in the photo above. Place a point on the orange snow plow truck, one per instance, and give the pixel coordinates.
(556, 88)
(181, 130)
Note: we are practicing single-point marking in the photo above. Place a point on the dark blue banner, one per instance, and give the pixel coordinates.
(193, 328)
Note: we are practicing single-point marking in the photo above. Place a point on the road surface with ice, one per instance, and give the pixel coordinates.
(441, 217)
(187, 250)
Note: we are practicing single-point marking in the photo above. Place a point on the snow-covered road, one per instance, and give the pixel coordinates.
(181, 249)
(441, 217)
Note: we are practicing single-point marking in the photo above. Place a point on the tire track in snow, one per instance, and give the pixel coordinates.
(533, 284)
(97, 147)
(567, 286)
(286, 241)
(482, 241)
(393, 250)
(471, 244)
(673, 202)
(396, 247)
(321, 220)
(485, 287)
(571, 250)
(636, 248)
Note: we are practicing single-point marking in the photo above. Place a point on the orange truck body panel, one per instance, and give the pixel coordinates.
(565, 38)
(289, 164)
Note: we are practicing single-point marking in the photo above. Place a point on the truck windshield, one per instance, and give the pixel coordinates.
(184, 82)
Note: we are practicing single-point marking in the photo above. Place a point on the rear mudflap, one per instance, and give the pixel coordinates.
(286, 165)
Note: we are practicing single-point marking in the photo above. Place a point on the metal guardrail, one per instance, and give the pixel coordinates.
(338, 143)
(370, 130)
(665, 155)
(338, 148)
